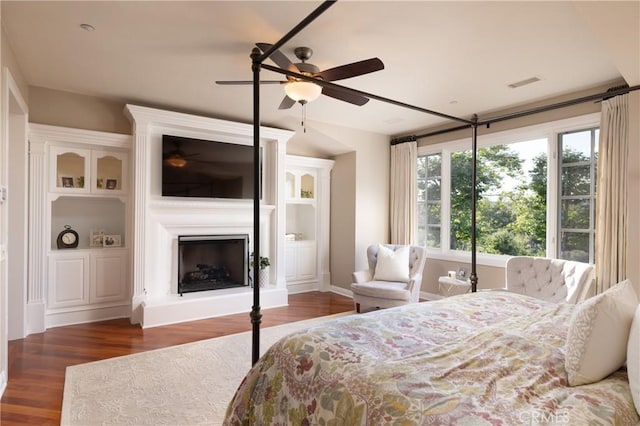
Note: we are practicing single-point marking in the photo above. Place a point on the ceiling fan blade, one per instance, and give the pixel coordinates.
(287, 103)
(278, 57)
(351, 70)
(237, 82)
(344, 96)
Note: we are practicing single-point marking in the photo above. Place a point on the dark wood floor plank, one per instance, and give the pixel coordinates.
(37, 363)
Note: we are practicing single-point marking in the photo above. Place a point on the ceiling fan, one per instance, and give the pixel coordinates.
(304, 91)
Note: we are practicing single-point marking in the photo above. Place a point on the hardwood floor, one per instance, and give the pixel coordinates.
(37, 363)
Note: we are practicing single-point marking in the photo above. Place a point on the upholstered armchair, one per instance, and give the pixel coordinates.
(555, 280)
(394, 277)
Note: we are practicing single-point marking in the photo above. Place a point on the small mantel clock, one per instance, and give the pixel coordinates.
(68, 238)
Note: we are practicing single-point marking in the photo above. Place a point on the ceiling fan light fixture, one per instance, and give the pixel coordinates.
(175, 160)
(302, 91)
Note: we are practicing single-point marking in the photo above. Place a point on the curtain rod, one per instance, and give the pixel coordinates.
(599, 96)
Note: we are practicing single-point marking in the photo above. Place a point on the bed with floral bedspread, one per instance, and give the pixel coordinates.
(487, 358)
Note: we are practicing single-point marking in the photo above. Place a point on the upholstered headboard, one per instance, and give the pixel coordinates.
(555, 280)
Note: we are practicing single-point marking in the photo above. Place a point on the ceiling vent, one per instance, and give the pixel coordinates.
(524, 82)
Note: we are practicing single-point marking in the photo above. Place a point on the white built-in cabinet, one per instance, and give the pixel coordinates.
(87, 278)
(86, 187)
(307, 194)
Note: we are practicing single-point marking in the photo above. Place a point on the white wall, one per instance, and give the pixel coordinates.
(4, 362)
(12, 240)
(17, 217)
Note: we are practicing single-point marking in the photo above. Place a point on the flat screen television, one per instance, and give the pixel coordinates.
(206, 169)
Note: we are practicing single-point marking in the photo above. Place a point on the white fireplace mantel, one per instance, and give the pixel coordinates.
(158, 221)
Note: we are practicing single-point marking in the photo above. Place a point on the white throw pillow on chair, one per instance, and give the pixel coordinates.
(598, 334)
(392, 265)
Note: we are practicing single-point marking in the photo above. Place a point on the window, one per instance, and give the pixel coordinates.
(577, 192)
(429, 199)
(509, 205)
(531, 201)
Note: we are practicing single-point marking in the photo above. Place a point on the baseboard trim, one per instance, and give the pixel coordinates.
(341, 291)
(3, 382)
(302, 287)
(36, 318)
(62, 318)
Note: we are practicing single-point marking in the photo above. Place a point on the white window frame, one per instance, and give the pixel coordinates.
(550, 131)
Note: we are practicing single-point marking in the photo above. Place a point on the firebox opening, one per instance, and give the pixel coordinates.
(212, 262)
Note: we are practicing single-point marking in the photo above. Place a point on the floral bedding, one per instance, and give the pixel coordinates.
(488, 358)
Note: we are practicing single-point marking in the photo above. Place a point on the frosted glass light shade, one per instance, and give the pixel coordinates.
(302, 91)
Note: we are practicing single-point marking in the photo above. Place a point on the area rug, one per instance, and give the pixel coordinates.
(182, 385)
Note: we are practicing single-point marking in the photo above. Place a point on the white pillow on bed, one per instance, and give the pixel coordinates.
(392, 265)
(598, 334)
(633, 359)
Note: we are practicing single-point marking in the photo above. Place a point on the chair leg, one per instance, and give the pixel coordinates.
(357, 307)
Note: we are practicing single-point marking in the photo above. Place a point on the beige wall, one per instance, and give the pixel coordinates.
(488, 276)
(343, 219)
(57, 108)
(9, 61)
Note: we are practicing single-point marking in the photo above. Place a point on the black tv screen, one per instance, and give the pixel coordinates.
(206, 169)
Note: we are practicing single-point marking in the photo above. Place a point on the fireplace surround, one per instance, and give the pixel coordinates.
(159, 222)
(212, 262)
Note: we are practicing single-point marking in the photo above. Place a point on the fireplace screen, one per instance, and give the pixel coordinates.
(212, 262)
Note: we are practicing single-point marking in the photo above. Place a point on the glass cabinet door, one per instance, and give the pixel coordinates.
(69, 167)
(109, 171)
(300, 185)
(307, 186)
(290, 182)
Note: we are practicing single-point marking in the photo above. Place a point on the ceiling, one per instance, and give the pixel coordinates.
(453, 57)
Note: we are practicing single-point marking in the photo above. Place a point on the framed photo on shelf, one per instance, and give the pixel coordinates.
(67, 182)
(462, 274)
(112, 184)
(111, 241)
(96, 237)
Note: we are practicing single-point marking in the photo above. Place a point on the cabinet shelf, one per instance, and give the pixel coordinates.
(86, 215)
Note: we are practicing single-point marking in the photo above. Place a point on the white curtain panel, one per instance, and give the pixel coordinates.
(404, 184)
(612, 218)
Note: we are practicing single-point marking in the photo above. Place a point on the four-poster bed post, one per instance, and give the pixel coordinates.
(474, 176)
(257, 63)
(256, 315)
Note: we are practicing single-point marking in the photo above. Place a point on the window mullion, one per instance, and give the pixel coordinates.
(445, 208)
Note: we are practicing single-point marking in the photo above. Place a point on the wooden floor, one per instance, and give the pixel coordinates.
(37, 363)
